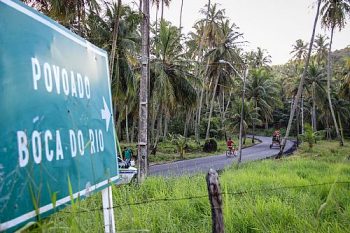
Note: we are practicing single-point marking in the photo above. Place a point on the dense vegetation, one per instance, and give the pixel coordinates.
(194, 90)
(324, 208)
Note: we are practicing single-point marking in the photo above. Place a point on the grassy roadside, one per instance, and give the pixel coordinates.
(318, 209)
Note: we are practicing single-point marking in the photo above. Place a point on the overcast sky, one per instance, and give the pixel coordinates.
(273, 25)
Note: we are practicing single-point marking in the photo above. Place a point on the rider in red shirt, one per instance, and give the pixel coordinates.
(276, 135)
(229, 144)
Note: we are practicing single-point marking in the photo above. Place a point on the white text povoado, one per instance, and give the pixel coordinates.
(59, 80)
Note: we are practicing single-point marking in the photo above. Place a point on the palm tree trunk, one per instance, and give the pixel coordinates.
(159, 129)
(199, 113)
(200, 55)
(161, 17)
(297, 124)
(193, 120)
(212, 105)
(301, 84)
(329, 74)
(313, 121)
(115, 109)
(79, 20)
(341, 127)
(182, 4)
(166, 122)
(328, 129)
(256, 110)
(187, 121)
(241, 127)
(223, 112)
(253, 131)
(119, 128)
(228, 101)
(132, 133)
(302, 113)
(114, 40)
(207, 96)
(157, 10)
(153, 120)
(127, 124)
(162, 130)
(223, 105)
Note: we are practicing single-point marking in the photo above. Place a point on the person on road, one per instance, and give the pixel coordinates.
(127, 155)
(229, 144)
(276, 135)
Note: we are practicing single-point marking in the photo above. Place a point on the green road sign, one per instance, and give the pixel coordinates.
(56, 124)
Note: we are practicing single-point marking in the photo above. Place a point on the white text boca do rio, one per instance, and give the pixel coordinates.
(47, 145)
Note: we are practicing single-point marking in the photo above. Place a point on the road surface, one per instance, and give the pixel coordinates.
(217, 162)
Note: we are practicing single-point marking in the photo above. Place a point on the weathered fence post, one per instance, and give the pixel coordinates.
(215, 201)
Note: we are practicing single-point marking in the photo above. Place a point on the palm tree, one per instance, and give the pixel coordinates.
(212, 24)
(324, 115)
(258, 59)
(342, 108)
(314, 83)
(291, 80)
(226, 49)
(194, 44)
(71, 14)
(171, 83)
(345, 87)
(207, 30)
(250, 115)
(334, 13)
(114, 39)
(123, 80)
(321, 48)
(301, 84)
(261, 90)
(299, 50)
(201, 29)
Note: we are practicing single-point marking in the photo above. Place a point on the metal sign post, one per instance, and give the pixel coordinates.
(108, 213)
(56, 125)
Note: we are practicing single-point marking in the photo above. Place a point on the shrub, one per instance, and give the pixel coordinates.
(193, 146)
(210, 145)
(180, 142)
(310, 136)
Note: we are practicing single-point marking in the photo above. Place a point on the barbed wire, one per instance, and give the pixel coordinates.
(206, 196)
(141, 230)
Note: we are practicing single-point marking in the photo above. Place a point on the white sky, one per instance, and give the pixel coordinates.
(273, 25)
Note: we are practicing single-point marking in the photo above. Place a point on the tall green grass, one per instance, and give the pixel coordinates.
(301, 209)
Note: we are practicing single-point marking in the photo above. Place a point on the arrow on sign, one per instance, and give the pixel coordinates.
(105, 113)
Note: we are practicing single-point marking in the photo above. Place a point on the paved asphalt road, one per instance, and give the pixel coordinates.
(217, 162)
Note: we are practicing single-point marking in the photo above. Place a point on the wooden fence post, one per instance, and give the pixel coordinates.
(215, 201)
